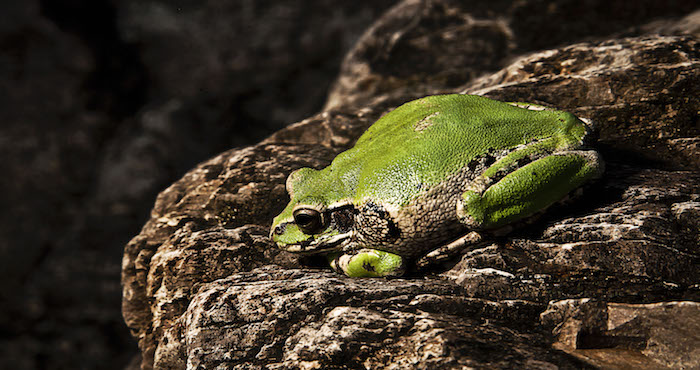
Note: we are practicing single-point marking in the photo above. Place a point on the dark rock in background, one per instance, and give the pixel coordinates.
(422, 47)
(602, 281)
(103, 104)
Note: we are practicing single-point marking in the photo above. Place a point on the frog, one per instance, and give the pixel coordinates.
(433, 177)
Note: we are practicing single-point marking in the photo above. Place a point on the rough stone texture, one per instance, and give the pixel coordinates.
(647, 336)
(424, 47)
(105, 103)
(213, 196)
(598, 282)
(645, 84)
(311, 319)
(636, 246)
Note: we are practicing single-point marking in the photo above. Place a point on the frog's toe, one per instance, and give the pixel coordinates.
(368, 263)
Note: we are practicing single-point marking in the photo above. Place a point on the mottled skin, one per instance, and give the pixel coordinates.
(429, 172)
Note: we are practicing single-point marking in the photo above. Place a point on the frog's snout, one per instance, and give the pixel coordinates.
(277, 230)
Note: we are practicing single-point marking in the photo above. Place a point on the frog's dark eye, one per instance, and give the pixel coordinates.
(310, 221)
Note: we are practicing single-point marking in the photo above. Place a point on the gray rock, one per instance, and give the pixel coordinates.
(425, 47)
(643, 335)
(204, 287)
(300, 319)
(103, 105)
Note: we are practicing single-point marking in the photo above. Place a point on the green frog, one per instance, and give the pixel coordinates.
(435, 175)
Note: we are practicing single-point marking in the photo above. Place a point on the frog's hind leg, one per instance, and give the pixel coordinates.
(489, 204)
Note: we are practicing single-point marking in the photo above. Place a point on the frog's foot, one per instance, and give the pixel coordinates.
(450, 250)
(368, 263)
(527, 190)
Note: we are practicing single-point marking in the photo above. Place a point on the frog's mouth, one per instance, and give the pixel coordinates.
(319, 243)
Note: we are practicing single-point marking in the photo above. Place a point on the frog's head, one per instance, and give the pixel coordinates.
(317, 219)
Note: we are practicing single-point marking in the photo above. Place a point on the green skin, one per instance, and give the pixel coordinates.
(428, 172)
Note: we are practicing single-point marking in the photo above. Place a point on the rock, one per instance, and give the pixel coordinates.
(223, 198)
(246, 67)
(59, 288)
(627, 335)
(605, 82)
(635, 248)
(426, 47)
(204, 287)
(100, 113)
(306, 319)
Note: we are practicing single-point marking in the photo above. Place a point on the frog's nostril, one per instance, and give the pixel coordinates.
(279, 230)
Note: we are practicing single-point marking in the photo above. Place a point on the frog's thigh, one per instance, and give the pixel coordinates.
(368, 263)
(529, 189)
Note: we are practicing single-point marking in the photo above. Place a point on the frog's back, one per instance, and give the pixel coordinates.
(420, 143)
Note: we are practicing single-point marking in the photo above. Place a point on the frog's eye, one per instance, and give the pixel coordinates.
(310, 221)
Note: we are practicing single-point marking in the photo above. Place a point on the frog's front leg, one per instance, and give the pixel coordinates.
(492, 202)
(367, 263)
(449, 250)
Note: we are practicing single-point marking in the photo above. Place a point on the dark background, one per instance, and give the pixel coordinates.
(105, 103)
